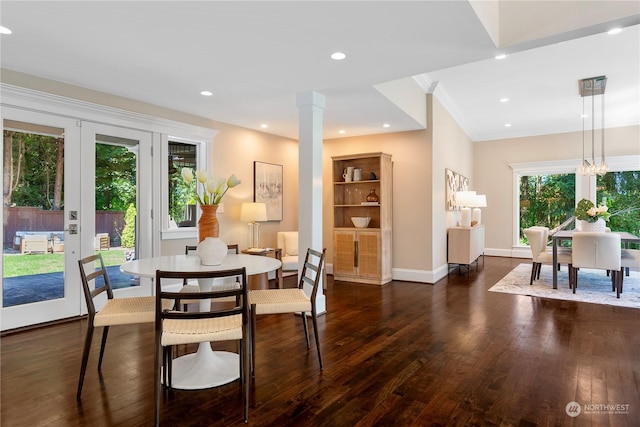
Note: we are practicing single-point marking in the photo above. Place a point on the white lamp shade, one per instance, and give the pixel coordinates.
(465, 198)
(253, 212)
(480, 201)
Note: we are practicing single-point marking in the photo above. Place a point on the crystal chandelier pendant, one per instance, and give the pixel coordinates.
(589, 88)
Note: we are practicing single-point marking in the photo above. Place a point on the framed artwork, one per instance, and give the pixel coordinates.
(267, 188)
(454, 182)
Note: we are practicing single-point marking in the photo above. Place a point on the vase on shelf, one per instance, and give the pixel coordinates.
(598, 226)
(372, 196)
(208, 225)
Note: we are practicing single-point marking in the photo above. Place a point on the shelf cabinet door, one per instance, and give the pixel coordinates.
(369, 253)
(357, 254)
(344, 247)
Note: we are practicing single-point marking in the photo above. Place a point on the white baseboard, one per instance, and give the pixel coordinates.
(432, 276)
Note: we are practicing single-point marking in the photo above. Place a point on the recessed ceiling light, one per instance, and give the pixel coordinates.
(614, 31)
(338, 56)
(4, 30)
(504, 99)
(507, 125)
(386, 125)
(584, 116)
(206, 93)
(501, 56)
(342, 131)
(264, 126)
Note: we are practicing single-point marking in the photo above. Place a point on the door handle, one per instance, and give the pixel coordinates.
(355, 253)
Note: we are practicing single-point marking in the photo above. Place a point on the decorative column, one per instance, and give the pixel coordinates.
(310, 109)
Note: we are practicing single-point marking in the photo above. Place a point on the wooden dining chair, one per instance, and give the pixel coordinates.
(116, 311)
(188, 287)
(537, 237)
(296, 300)
(218, 323)
(600, 251)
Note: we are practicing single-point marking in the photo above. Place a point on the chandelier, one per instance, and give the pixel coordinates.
(589, 88)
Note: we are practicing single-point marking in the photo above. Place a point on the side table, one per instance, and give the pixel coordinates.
(263, 280)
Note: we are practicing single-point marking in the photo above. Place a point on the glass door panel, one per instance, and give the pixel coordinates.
(116, 207)
(37, 271)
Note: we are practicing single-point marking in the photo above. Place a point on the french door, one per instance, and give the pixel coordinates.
(50, 215)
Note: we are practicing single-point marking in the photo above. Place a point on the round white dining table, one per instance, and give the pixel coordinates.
(205, 368)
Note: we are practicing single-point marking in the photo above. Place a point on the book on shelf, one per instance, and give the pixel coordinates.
(258, 250)
(370, 203)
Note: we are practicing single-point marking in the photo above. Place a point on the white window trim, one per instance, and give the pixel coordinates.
(585, 185)
(202, 164)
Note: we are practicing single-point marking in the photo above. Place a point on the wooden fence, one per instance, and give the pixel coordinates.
(35, 219)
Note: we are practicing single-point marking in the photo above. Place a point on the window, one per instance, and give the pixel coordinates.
(178, 217)
(546, 199)
(182, 209)
(620, 191)
(545, 193)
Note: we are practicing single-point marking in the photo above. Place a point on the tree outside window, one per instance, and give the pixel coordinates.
(181, 208)
(546, 200)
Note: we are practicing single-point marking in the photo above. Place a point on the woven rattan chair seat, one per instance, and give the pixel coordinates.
(187, 331)
(273, 301)
(123, 311)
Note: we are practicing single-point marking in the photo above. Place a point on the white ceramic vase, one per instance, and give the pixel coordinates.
(599, 226)
(212, 251)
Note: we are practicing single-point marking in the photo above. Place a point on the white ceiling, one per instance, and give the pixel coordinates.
(256, 56)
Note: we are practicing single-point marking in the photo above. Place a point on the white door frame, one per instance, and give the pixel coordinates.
(144, 195)
(69, 305)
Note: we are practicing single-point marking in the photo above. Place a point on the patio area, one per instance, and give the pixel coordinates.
(48, 286)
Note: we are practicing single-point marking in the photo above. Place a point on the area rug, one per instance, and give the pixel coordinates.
(593, 286)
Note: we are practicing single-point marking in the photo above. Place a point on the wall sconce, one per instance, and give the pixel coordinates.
(252, 213)
(465, 199)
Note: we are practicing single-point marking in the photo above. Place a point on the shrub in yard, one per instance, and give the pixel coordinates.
(128, 239)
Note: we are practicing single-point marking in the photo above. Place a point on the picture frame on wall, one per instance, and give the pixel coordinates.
(454, 182)
(268, 188)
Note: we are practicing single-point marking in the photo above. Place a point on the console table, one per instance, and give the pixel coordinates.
(465, 246)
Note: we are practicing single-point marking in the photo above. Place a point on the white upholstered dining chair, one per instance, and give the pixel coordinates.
(600, 251)
(630, 258)
(540, 253)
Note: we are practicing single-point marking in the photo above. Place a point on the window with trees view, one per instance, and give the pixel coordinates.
(620, 191)
(547, 194)
(182, 212)
(546, 199)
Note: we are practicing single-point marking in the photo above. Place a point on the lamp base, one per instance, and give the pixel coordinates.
(477, 215)
(254, 235)
(465, 219)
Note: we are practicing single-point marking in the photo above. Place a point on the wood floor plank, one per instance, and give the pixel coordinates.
(406, 354)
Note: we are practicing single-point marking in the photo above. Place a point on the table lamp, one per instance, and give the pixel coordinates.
(465, 199)
(479, 202)
(252, 213)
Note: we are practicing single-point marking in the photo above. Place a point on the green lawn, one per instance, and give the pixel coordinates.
(25, 265)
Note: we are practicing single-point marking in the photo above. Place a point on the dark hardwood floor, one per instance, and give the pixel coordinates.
(403, 354)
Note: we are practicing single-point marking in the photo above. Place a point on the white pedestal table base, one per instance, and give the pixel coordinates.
(205, 369)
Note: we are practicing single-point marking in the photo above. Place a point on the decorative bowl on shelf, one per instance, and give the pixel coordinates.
(361, 221)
